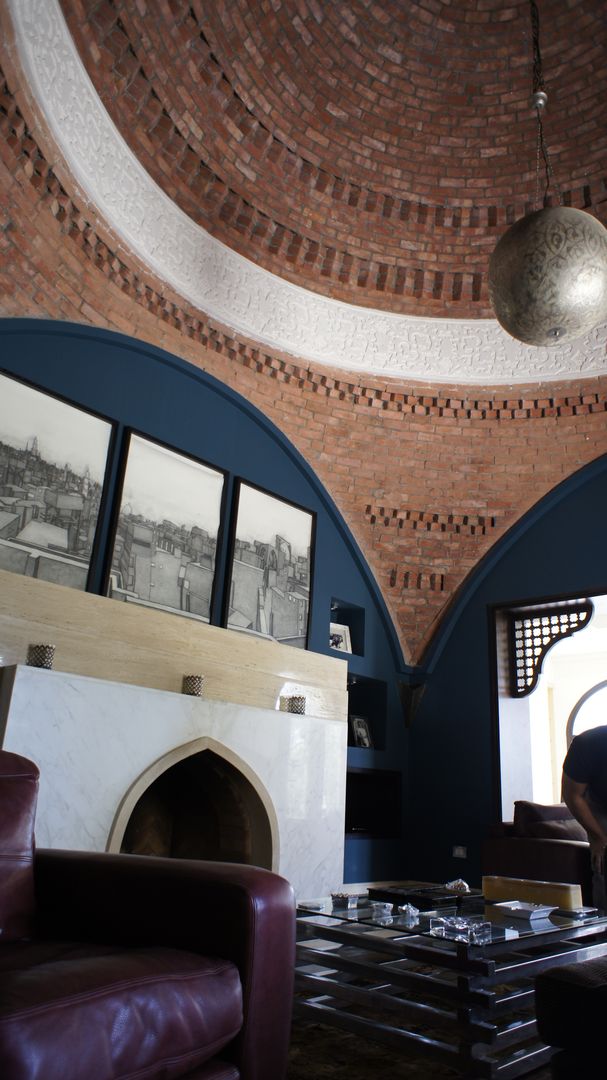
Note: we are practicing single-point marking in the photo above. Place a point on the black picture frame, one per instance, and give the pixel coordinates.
(167, 527)
(360, 732)
(54, 459)
(269, 578)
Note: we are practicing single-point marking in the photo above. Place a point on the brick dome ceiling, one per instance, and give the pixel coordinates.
(328, 179)
(371, 151)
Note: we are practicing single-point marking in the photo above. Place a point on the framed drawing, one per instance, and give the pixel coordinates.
(166, 531)
(53, 458)
(360, 732)
(271, 565)
(339, 637)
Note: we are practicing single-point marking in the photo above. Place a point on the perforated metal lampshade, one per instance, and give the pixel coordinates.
(548, 276)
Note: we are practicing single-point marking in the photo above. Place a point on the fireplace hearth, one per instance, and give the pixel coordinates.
(201, 808)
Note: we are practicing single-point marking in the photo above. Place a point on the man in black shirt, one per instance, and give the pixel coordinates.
(585, 793)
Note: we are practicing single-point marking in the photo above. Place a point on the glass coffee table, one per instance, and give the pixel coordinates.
(455, 984)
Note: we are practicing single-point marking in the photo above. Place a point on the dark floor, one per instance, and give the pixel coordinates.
(321, 1053)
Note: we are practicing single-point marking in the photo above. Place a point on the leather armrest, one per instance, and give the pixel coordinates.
(501, 828)
(242, 913)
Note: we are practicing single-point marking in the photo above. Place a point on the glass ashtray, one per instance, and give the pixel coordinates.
(409, 913)
(344, 901)
(458, 928)
(380, 907)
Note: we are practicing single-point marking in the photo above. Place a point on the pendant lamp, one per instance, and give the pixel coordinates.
(548, 272)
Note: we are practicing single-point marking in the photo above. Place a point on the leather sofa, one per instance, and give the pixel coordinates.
(128, 967)
(543, 843)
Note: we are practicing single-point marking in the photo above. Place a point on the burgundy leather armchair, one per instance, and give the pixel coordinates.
(128, 967)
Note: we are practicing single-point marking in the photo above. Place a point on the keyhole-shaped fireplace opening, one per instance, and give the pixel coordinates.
(202, 807)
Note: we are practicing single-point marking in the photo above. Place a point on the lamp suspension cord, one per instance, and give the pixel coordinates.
(539, 102)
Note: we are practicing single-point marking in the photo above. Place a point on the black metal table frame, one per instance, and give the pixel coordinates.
(469, 1006)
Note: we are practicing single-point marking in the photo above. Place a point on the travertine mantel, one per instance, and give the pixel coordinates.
(128, 643)
(99, 744)
(233, 290)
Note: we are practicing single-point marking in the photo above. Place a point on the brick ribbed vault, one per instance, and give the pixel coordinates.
(372, 151)
(428, 479)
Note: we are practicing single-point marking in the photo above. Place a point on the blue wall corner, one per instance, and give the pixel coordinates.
(557, 549)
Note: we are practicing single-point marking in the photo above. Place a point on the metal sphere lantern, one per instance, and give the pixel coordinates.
(548, 276)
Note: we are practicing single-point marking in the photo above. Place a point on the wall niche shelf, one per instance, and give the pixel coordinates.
(347, 628)
(373, 803)
(367, 701)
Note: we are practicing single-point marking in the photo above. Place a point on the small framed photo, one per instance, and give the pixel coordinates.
(360, 732)
(339, 637)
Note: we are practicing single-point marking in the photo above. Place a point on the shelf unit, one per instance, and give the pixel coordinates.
(367, 700)
(352, 617)
(373, 803)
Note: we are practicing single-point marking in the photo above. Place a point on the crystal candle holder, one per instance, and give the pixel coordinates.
(193, 685)
(296, 703)
(41, 656)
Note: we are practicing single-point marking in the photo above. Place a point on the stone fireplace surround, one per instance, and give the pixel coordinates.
(101, 744)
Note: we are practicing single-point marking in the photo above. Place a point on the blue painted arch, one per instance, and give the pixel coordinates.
(557, 550)
(139, 386)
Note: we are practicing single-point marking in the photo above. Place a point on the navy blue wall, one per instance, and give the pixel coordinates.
(558, 549)
(448, 756)
(139, 386)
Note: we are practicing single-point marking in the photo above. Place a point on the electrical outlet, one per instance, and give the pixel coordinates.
(460, 852)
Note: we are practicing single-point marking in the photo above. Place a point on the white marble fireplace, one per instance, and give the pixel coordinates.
(100, 744)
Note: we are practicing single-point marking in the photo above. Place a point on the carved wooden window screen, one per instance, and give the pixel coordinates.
(533, 632)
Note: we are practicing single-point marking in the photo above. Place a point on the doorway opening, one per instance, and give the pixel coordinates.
(565, 692)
